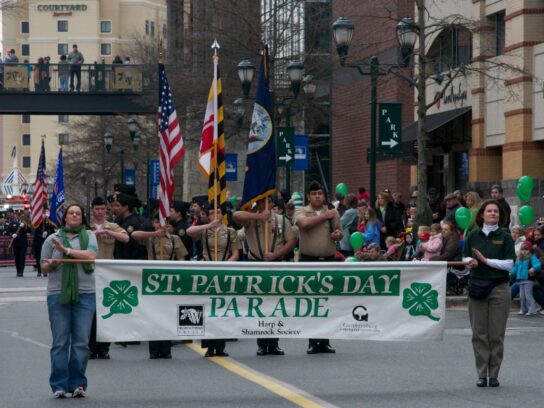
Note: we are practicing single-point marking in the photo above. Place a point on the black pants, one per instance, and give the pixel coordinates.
(215, 345)
(268, 344)
(38, 257)
(161, 347)
(77, 73)
(96, 347)
(318, 343)
(20, 256)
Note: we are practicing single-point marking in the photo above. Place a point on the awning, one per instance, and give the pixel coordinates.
(434, 121)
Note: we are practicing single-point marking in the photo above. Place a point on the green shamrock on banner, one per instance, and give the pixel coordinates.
(420, 299)
(119, 297)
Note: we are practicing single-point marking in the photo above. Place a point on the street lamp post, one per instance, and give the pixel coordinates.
(343, 34)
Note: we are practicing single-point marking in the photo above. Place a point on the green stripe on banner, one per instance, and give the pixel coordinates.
(156, 281)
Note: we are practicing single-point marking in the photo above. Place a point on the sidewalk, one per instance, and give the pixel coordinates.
(461, 302)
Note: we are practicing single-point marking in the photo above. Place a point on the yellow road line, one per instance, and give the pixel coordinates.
(286, 391)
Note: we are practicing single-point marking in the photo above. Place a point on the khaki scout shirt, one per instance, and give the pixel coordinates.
(208, 243)
(154, 250)
(276, 227)
(317, 241)
(106, 244)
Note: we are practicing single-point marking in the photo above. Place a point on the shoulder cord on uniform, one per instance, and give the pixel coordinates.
(155, 251)
(227, 247)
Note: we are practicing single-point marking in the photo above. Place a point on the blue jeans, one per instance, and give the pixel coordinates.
(71, 329)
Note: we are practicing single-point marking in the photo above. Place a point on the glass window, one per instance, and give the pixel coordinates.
(62, 49)
(25, 119)
(63, 118)
(452, 48)
(26, 162)
(105, 26)
(25, 50)
(105, 49)
(63, 139)
(147, 26)
(500, 31)
(62, 26)
(152, 28)
(26, 139)
(25, 27)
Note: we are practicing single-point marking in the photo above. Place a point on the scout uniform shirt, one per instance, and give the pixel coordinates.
(280, 233)
(227, 240)
(106, 244)
(317, 241)
(180, 228)
(173, 248)
(130, 250)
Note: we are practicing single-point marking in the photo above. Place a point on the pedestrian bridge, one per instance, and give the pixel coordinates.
(104, 89)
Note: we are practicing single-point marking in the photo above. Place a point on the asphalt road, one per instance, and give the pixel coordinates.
(360, 374)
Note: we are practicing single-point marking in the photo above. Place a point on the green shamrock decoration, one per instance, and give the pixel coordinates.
(420, 299)
(119, 297)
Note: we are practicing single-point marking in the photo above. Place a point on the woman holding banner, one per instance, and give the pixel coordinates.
(70, 301)
(227, 249)
(489, 253)
(161, 246)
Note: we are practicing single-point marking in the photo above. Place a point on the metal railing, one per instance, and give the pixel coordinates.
(85, 78)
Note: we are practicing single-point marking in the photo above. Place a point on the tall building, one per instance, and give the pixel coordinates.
(102, 29)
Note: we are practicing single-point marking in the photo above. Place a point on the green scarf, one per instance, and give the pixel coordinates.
(69, 291)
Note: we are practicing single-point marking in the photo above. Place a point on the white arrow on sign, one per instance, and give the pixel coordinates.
(391, 143)
(285, 158)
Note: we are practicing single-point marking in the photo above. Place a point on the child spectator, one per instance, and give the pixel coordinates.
(517, 235)
(433, 246)
(524, 270)
(392, 248)
(409, 249)
(64, 73)
(372, 228)
(361, 211)
(423, 234)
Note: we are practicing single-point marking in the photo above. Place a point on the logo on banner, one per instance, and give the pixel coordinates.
(120, 297)
(190, 320)
(420, 300)
(360, 314)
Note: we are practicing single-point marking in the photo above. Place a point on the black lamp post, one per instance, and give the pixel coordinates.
(108, 141)
(343, 34)
(246, 70)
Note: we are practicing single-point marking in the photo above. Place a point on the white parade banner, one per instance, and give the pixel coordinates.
(157, 300)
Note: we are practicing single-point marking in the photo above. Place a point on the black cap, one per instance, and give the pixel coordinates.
(128, 200)
(181, 206)
(125, 188)
(201, 200)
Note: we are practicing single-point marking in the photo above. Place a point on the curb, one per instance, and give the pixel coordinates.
(462, 302)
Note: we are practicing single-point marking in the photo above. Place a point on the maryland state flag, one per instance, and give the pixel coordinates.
(211, 158)
(260, 179)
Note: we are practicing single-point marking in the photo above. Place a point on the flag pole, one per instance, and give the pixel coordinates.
(266, 226)
(161, 241)
(215, 47)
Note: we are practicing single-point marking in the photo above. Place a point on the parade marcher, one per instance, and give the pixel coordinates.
(122, 207)
(228, 249)
(107, 233)
(489, 253)
(19, 243)
(281, 241)
(161, 246)
(320, 230)
(43, 230)
(71, 301)
(178, 220)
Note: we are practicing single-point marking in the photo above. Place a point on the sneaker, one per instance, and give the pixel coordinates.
(59, 394)
(521, 313)
(79, 392)
(531, 314)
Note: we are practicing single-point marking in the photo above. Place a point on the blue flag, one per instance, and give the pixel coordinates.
(260, 178)
(57, 202)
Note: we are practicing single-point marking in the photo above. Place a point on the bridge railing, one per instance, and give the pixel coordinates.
(93, 78)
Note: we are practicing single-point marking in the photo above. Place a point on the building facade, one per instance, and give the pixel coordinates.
(102, 29)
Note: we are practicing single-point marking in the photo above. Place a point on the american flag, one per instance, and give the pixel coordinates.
(39, 198)
(171, 142)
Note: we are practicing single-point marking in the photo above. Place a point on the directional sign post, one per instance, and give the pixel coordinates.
(301, 153)
(285, 147)
(390, 125)
(231, 161)
(154, 178)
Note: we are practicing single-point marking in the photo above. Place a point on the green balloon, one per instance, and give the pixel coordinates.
(523, 193)
(526, 215)
(351, 259)
(462, 217)
(342, 188)
(527, 181)
(356, 240)
(234, 200)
